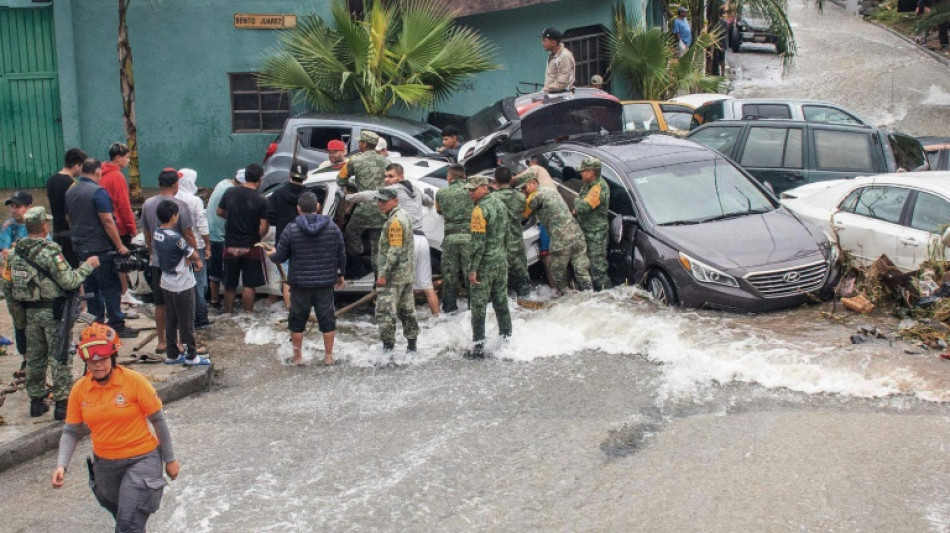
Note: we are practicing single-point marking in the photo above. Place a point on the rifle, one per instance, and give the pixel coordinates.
(70, 314)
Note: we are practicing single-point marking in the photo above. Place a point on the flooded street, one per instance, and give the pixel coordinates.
(602, 413)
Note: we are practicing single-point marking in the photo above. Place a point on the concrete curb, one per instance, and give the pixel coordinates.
(43, 440)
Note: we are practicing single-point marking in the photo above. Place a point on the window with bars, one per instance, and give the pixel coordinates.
(589, 46)
(256, 109)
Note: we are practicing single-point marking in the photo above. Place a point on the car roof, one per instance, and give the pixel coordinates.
(625, 102)
(413, 168)
(934, 142)
(700, 99)
(396, 123)
(785, 122)
(641, 151)
(937, 180)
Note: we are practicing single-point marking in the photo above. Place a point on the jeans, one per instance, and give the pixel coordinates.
(106, 289)
(201, 288)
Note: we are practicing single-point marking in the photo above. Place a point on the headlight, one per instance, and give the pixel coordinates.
(704, 273)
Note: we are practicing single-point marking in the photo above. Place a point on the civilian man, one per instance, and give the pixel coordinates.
(56, 187)
(113, 181)
(216, 234)
(282, 209)
(245, 214)
(94, 233)
(559, 74)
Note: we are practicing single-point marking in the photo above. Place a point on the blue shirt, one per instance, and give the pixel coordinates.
(100, 199)
(11, 233)
(681, 30)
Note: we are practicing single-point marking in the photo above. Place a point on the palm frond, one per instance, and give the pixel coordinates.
(938, 15)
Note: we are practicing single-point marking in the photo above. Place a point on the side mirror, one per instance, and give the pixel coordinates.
(630, 219)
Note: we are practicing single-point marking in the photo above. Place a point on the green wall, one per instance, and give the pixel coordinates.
(183, 51)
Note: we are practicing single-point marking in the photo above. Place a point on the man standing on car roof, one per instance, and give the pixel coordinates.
(488, 268)
(514, 201)
(590, 208)
(455, 206)
(559, 74)
(396, 270)
(567, 241)
(366, 169)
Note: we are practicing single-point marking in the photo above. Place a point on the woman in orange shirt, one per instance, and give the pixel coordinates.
(116, 404)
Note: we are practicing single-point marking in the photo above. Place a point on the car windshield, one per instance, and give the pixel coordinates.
(702, 191)
(430, 137)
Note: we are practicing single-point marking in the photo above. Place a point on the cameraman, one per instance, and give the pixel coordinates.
(94, 233)
(168, 185)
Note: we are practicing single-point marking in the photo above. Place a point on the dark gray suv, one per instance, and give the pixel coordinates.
(693, 227)
(404, 138)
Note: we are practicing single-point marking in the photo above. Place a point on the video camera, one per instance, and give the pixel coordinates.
(137, 260)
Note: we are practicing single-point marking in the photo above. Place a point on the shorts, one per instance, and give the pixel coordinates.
(423, 275)
(216, 264)
(247, 269)
(303, 300)
(155, 282)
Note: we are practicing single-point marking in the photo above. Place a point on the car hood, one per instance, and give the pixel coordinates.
(757, 23)
(753, 241)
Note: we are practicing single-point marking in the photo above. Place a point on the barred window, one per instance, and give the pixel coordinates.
(591, 55)
(256, 109)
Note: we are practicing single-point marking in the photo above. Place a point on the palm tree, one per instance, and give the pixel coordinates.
(127, 86)
(646, 58)
(410, 53)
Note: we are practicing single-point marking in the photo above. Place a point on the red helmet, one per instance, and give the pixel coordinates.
(98, 341)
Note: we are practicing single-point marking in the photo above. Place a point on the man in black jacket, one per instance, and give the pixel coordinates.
(282, 209)
(314, 246)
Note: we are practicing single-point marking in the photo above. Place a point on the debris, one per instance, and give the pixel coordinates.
(871, 331)
(928, 336)
(945, 356)
(907, 323)
(858, 304)
(864, 339)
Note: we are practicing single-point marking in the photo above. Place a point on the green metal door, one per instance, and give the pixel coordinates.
(31, 135)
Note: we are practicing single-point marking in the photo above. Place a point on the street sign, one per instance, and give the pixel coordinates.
(264, 22)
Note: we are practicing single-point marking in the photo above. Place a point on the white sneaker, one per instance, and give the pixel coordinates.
(130, 299)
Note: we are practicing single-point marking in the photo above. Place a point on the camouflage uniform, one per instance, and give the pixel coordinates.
(454, 204)
(591, 205)
(567, 241)
(489, 229)
(397, 265)
(366, 170)
(37, 291)
(514, 202)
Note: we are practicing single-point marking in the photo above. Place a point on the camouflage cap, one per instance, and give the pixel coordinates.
(369, 137)
(385, 194)
(475, 182)
(36, 215)
(525, 177)
(591, 163)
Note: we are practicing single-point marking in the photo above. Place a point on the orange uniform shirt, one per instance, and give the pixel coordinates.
(116, 413)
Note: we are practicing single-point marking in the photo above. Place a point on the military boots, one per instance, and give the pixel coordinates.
(59, 413)
(38, 406)
(412, 345)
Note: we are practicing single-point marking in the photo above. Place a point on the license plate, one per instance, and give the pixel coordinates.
(747, 35)
(759, 38)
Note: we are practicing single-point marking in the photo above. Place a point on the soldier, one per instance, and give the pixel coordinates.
(517, 259)
(396, 271)
(591, 210)
(488, 268)
(367, 169)
(567, 241)
(455, 206)
(40, 276)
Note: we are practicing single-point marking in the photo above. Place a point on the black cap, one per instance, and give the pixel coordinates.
(298, 171)
(450, 131)
(551, 33)
(20, 198)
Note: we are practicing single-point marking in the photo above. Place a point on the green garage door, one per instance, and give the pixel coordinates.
(31, 136)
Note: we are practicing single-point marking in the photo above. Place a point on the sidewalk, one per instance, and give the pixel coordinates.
(23, 437)
(920, 47)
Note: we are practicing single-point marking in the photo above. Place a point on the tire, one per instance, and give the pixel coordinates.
(735, 40)
(661, 288)
(779, 49)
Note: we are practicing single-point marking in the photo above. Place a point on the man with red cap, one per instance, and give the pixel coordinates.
(117, 404)
(336, 150)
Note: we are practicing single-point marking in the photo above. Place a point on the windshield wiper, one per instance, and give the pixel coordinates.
(681, 222)
(727, 216)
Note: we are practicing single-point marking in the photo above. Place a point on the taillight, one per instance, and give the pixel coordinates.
(271, 148)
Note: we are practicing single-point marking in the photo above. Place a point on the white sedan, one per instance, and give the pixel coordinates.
(900, 215)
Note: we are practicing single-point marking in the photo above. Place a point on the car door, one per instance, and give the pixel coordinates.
(842, 153)
(640, 116)
(868, 222)
(765, 111)
(829, 115)
(919, 239)
(773, 154)
(677, 117)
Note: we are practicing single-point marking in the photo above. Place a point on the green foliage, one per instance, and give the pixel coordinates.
(646, 57)
(938, 15)
(411, 53)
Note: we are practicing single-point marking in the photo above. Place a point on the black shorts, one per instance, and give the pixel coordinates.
(155, 282)
(248, 271)
(216, 263)
(303, 300)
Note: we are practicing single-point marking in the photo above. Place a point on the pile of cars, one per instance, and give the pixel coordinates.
(695, 214)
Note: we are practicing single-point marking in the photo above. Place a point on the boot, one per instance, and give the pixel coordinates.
(59, 413)
(38, 406)
(477, 352)
(388, 346)
(412, 345)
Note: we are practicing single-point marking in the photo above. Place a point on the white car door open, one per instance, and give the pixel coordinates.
(868, 222)
(921, 240)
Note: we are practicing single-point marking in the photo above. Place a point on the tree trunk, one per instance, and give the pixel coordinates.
(127, 85)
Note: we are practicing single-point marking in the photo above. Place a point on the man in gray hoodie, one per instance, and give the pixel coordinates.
(411, 200)
(314, 246)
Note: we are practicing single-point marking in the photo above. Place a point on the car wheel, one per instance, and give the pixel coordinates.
(661, 289)
(735, 41)
(780, 48)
